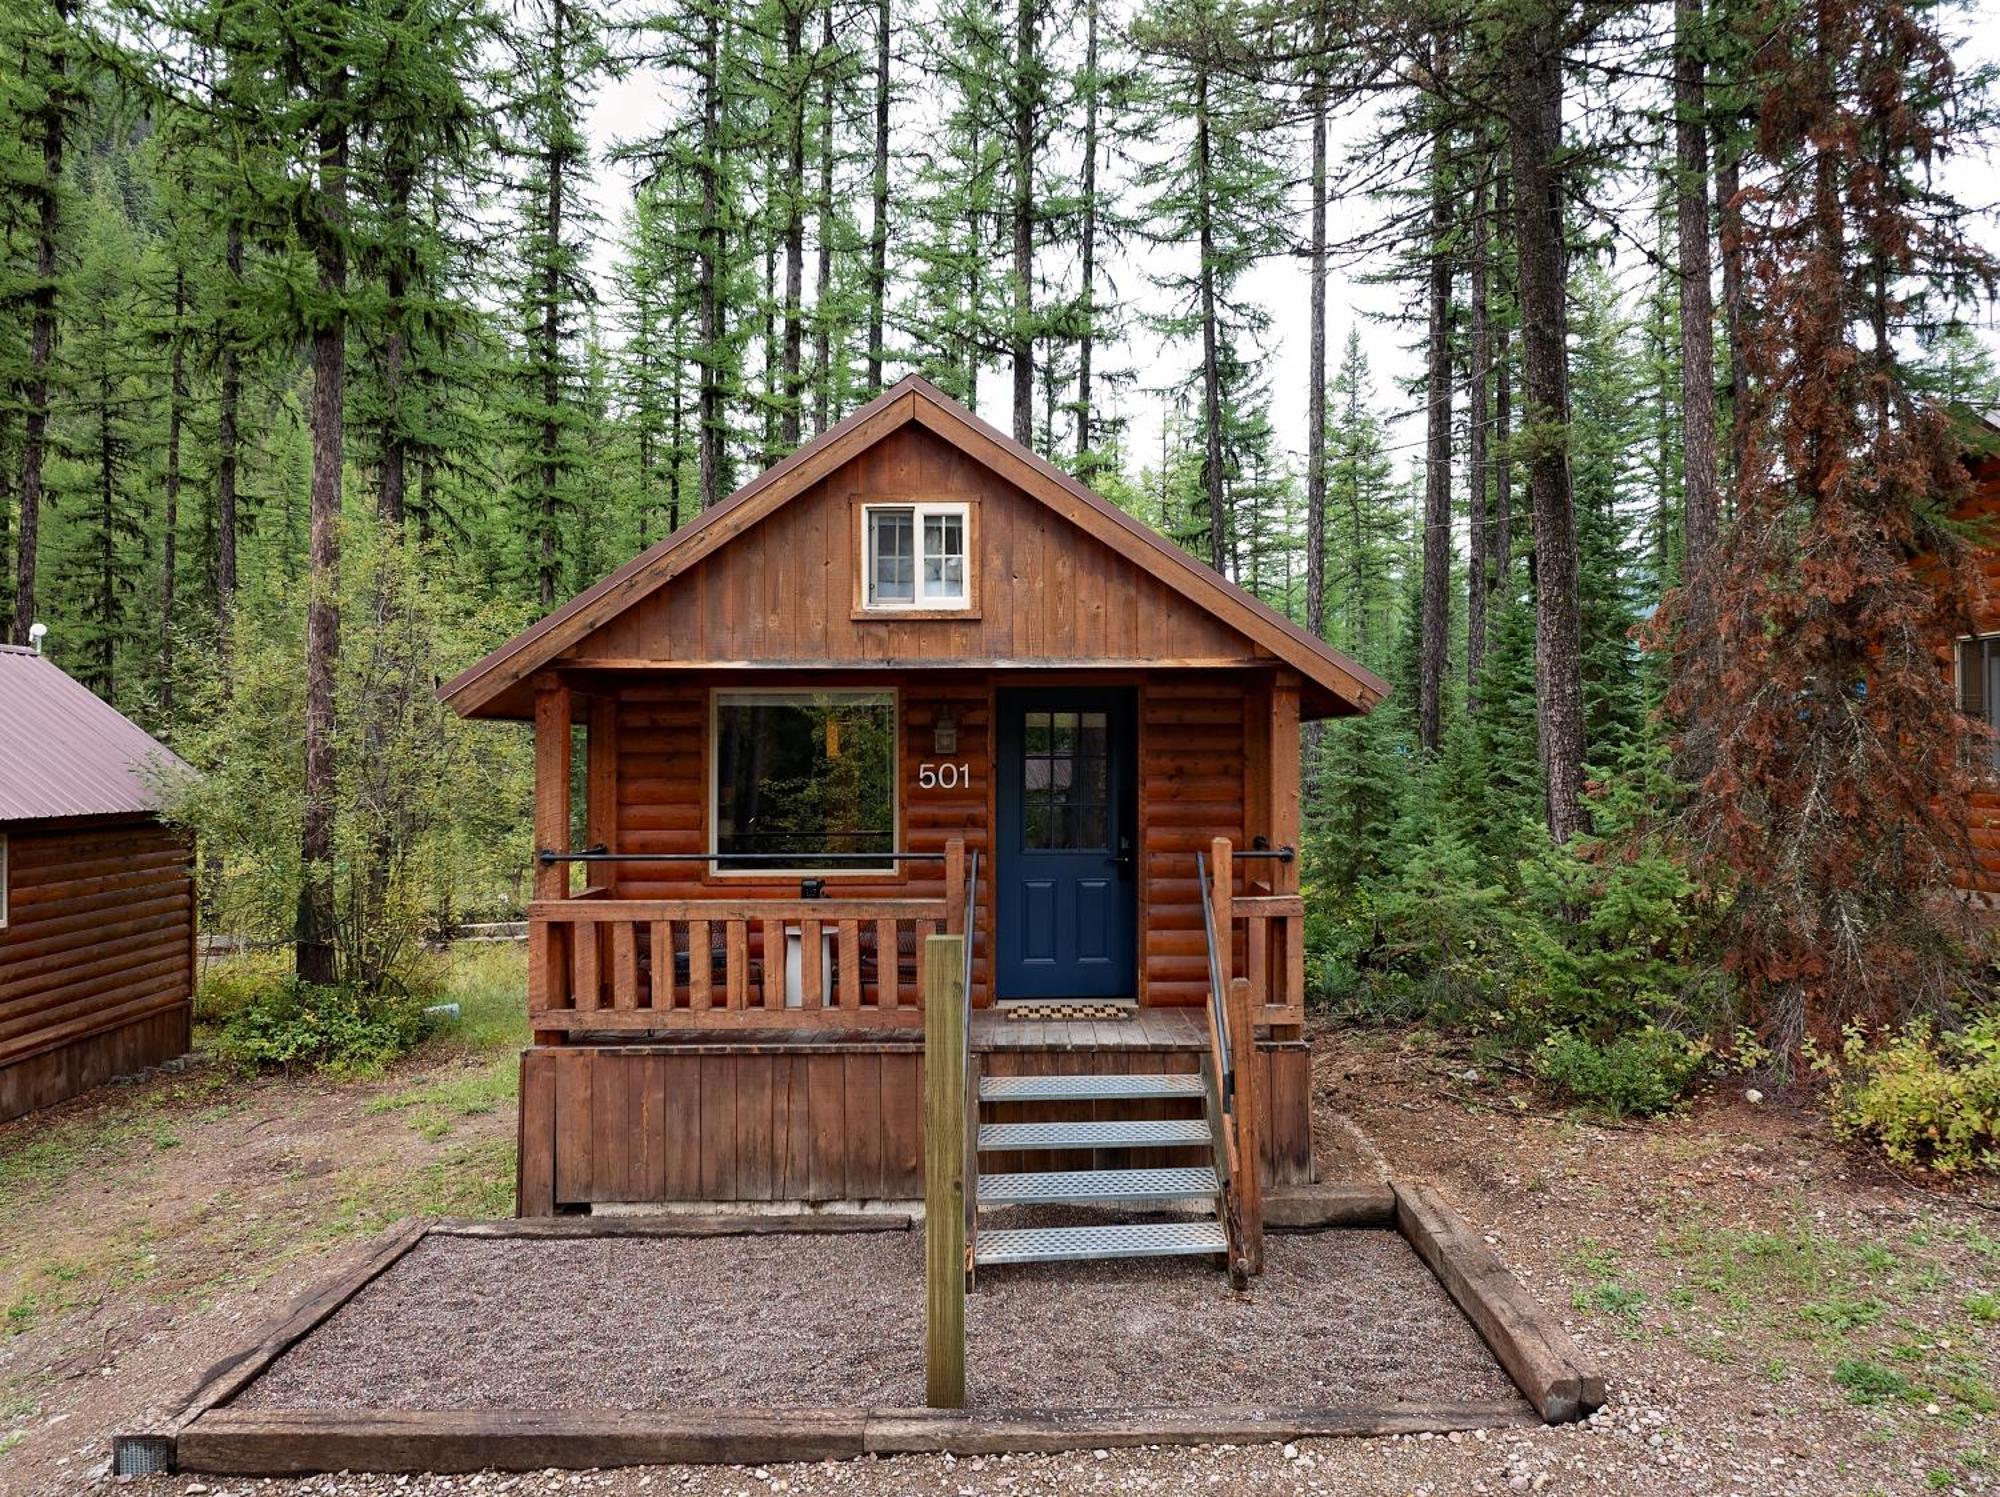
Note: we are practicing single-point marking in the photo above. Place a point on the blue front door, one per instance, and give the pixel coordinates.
(1066, 875)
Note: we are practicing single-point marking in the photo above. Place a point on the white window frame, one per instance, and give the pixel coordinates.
(790, 696)
(3, 880)
(918, 602)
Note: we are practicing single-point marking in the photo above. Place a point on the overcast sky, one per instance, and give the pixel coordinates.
(636, 106)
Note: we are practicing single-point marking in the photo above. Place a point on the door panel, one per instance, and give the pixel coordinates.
(1068, 902)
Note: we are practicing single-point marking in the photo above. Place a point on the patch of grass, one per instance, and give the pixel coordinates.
(47, 1155)
(472, 1091)
(1868, 1383)
(1839, 1313)
(470, 1179)
(1613, 1298)
(489, 983)
(1984, 1308)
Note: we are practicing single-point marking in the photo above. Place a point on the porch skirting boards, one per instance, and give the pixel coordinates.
(833, 1120)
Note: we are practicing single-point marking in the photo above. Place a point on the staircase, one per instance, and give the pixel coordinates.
(1198, 1177)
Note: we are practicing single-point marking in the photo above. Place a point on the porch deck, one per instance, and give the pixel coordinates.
(1158, 1029)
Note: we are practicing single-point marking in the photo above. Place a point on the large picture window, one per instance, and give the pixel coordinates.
(915, 555)
(801, 774)
(1979, 686)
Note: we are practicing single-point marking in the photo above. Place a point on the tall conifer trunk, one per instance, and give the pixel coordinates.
(1478, 530)
(709, 294)
(1697, 313)
(1087, 342)
(1535, 113)
(823, 275)
(878, 229)
(1316, 362)
(229, 396)
(170, 491)
(50, 124)
(1211, 371)
(792, 402)
(314, 953)
(1435, 607)
(1022, 334)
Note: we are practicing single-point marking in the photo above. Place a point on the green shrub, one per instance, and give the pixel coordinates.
(1926, 1098)
(1640, 1072)
(289, 1024)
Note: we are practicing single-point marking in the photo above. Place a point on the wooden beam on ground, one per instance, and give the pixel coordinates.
(1526, 1340)
(278, 1442)
(306, 1313)
(1310, 1208)
(679, 1224)
(943, 990)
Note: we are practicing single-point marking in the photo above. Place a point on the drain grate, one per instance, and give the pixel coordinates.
(142, 1455)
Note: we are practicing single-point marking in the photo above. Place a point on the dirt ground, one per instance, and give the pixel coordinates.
(1349, 1317)
(1776, 1313)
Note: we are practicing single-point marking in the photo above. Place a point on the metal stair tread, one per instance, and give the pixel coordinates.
(1085, 1088)
(1186, 1183)
(1119, 1240)
(1139, 1132)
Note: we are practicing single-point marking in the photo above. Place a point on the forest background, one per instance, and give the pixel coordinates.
(1600, 373)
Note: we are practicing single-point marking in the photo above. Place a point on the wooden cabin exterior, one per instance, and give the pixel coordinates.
(913, 679)
(1975, 661)
(97, 904)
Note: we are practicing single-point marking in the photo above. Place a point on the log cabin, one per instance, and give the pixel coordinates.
(912, 679)
(1975, 660)
(97, 904)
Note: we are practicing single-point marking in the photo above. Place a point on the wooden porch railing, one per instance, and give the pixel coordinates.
(597, 963)
(1264, 929)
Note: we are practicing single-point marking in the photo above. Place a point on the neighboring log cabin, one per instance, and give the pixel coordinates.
(97, 908)
(1976, 660)
(912, 679)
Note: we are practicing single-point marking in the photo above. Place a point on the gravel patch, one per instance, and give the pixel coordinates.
(1343, 1317)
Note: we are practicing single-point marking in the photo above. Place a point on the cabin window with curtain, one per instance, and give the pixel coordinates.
(1979, 687)
(804, 781)
(916, 555)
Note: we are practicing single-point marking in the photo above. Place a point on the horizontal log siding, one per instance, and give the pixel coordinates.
(785, 590)
(1984, 507)
(97, 959)
(663, 801)
(1192, 774)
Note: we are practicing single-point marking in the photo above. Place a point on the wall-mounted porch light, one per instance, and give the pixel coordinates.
(944, 735)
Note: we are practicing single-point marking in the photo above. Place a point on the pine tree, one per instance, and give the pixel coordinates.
(1220, 191)
(39, 93)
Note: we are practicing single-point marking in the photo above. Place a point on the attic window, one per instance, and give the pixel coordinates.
(916, 555)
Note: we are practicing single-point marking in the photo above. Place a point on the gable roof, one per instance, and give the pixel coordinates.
(65, 752)
(913, 401)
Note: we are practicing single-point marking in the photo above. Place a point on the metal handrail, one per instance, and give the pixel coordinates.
(1218, 987)
(598, 854)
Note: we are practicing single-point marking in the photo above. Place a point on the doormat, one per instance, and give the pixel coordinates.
(1058, 1011)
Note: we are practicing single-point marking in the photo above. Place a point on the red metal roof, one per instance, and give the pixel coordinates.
(64, 752)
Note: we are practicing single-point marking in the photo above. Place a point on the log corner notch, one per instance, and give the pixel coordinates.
(1527, 1341)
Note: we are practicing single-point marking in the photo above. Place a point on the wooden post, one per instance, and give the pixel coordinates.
(548, 956)
(1222, 902)
(944, 1171)
(954, 887)
(601, 786)
(1245, 1111)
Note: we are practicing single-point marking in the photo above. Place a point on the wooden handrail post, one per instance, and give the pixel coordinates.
(944, 1171)
(548, 951)
(954, 887)
(1222, 897)
(1244, 1112)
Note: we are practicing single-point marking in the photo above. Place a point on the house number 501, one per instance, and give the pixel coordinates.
(946, 776)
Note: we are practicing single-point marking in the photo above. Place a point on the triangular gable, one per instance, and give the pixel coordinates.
(913, 400)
